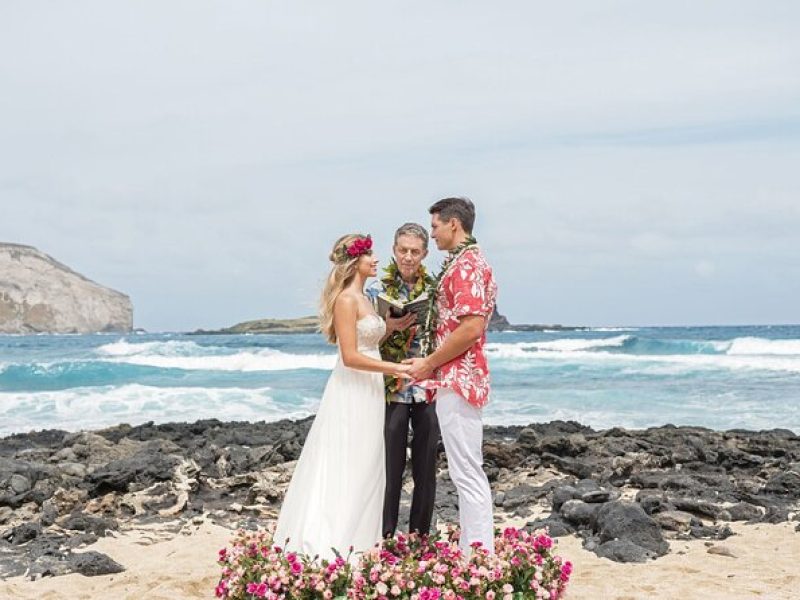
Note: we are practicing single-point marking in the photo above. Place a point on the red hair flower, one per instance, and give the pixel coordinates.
(359, 246)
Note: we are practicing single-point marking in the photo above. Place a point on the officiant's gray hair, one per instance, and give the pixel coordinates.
(414, 229)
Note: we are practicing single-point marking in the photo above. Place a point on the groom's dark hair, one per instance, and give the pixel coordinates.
(455, 208)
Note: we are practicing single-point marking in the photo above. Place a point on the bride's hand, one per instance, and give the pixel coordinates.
(401, 372)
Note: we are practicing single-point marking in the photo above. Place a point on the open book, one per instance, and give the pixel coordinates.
(398, 308)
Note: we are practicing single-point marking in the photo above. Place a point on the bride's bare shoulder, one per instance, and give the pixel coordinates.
(346, 302)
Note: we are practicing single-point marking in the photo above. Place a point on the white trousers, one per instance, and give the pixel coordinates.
(462, 434)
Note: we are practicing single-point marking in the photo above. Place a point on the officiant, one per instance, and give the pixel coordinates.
(407, 406)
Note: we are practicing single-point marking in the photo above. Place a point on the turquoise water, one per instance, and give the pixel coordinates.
(718, 377)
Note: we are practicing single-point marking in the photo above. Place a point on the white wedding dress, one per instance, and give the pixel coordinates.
(335, 498)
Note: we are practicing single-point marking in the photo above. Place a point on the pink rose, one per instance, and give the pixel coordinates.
(359, 246)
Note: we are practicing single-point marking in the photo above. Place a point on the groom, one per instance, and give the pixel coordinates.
(457, 323)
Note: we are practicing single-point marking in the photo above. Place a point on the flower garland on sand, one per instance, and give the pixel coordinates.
(524, 567)
(429, 334)
(395, 347)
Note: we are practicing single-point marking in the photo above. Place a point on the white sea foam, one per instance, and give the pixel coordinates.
(168, 348)
(566, 345)
(738, 354)
(93, 407)
(664, 363)
(262, 360)
(194, 357)
(752, 346)
(571, 345)
(718, 345)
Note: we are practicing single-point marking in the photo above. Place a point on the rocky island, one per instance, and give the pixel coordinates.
(310, 324)
(38, 294)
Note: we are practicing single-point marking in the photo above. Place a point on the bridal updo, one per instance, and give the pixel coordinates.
(341, 275)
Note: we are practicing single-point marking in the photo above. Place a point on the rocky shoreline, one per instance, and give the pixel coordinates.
(625, 493)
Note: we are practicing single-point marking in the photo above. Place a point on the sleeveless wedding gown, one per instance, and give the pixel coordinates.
(335, 498)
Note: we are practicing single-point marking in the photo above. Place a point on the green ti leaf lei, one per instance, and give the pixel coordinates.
(395, 347)
(429, 334)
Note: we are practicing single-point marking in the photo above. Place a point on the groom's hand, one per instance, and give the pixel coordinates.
(419, 368)
(402, 373)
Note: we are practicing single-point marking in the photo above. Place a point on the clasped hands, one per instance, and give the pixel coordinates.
(413, 369)
(419, 368)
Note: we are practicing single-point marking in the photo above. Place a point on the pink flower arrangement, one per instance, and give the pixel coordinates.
(403, 567)
(359, 246)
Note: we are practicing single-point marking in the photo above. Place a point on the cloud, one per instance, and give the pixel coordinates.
(203, 157)
(655, 244)
(705, 268)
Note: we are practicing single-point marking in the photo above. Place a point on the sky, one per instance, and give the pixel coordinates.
(631, 163)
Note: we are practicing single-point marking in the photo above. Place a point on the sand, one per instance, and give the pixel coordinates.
(766, 564)
(166, 564)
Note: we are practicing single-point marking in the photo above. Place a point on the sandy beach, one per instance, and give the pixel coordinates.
(168, 564)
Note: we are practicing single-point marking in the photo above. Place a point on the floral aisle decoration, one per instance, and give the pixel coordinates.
(523, 567)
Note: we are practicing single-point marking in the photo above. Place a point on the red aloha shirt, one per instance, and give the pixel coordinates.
(468, 288)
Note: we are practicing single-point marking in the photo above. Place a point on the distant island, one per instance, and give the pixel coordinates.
(299, 325)
(311, 325)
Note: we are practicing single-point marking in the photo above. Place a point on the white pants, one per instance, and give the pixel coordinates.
(462, 434)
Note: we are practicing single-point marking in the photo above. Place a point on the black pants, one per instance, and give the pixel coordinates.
(424, 444)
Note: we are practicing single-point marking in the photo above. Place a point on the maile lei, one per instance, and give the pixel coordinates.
(429, 334)
(395, 347)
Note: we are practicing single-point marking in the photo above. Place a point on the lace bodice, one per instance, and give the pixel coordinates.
(370, 330)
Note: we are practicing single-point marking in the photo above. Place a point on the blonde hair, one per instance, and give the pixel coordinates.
(341, 275)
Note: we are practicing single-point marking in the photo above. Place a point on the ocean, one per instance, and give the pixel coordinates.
(716, 377)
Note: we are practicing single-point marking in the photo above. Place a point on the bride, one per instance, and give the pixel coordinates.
(335, 498)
